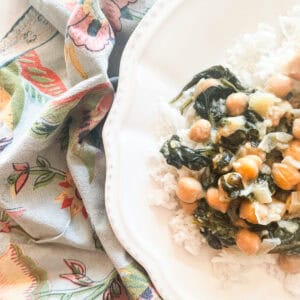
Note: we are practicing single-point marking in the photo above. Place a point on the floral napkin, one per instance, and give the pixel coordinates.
(55, 238)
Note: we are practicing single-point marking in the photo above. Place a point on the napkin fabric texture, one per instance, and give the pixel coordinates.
(55, 239)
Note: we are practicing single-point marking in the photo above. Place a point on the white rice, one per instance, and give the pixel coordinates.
(253, 58)
(186, 233)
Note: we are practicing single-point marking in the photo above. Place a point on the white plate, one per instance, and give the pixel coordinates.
(173, 42)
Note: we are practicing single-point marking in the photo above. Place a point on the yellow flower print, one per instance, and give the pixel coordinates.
(19, 276)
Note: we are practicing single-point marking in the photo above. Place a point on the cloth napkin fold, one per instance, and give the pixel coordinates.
(55, 239)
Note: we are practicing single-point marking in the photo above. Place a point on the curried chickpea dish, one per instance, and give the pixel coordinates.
(244, 157)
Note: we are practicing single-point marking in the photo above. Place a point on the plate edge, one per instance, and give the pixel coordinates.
(145, 29)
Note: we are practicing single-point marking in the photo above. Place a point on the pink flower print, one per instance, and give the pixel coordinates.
(15, 212)
(20, 177)
(78, 273)
(86, 31)
(112, 10)
(4, 227)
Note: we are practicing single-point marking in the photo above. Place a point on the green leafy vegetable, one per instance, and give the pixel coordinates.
(239, 138)
(229, 83)
(252, 116)
(210, 104)
(275, 156)
(178, 155)
(281, 195)
(233, 211)
(216, 72)
(267, 178)
(234, 141)
(290, 241)
(222, 165)
(215, 226)
(285, 125)
(232, 184)
(208, 178)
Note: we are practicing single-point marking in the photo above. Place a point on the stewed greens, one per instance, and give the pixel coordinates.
(246, 161)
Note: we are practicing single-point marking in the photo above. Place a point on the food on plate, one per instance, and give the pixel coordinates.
(241, 156)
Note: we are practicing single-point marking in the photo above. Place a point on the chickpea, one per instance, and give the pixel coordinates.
(293, 67)
(247, 241)
(215, 199)
(188, 208)
(247, 166)
(200, 131)
(203, 85)
(280, 85)
(293, 150)
(257, 159)
(247, 212)
(293, 204)
(248, 149)
(262, 103)
(189, 189)
(285, 176)
(289, 263)
(296, 128)
(236, 103)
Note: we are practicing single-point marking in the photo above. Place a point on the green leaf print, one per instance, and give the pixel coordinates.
(36, 71)
(43, 179)
(42, 162)
(34, 94)
(43, 129)
(41, 79)
(135, 280)
(51, 119)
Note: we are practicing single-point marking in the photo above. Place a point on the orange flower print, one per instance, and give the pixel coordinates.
(20, 278)
(70, 197)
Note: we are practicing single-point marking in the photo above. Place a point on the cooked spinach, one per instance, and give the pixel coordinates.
(222, 165)
(232, 184)
(240, 137)
(252, 116)
(210, 104)
(252, 132)
(216, 72)
(178, 155)
(215, 226)
(285, 125)
(290, 242)
(233, 211)
(267, 178)
(208, 178)
(273, 157)
(234, 140)
(281, 195)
